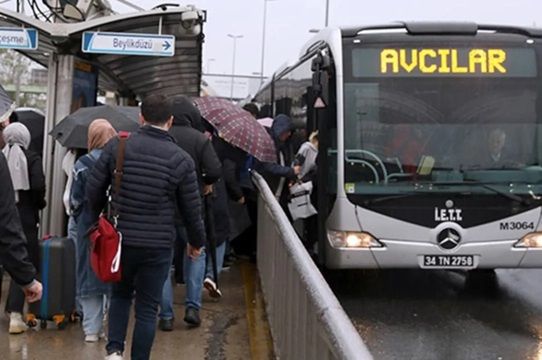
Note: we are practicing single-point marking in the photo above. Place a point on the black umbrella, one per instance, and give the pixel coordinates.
(6, 105)
(72, 131)
(34, 120)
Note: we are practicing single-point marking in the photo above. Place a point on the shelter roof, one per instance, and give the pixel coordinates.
(128, 74)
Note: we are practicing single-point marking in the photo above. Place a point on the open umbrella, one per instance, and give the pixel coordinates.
(72, 131)
(237, 127)
(34, 120)
(6, 105)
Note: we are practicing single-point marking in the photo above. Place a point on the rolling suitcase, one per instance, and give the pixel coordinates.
(57, 273)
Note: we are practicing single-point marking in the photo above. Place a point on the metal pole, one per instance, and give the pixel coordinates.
(208, 70)
(233, 68)
(327, 12)
(234, 37)
(263, 40)
(18, 86)
(59, 99)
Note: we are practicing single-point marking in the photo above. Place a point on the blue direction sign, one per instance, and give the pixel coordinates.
(128, 44)
(18, 38)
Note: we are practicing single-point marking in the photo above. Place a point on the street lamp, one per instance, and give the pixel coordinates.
(263, 37)
(208, 70)
(234, 37)
(327, 12)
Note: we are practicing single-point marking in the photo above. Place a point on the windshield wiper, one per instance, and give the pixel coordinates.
(393, 197)
(505, 194)
(485, 186)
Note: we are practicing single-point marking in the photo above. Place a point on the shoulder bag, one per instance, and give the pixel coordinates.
(105, 239)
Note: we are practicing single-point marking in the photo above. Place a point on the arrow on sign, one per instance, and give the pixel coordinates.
(166, 45)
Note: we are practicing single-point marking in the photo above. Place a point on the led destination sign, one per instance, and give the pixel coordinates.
(418, 62)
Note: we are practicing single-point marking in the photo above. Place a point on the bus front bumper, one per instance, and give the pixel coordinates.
(410, 254)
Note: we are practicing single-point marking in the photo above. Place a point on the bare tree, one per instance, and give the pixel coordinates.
(15, 70)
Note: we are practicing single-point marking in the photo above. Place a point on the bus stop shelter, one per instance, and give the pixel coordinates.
(60, 48)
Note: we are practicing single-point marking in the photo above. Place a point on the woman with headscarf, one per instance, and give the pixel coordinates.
(28, 180)
(91, 292)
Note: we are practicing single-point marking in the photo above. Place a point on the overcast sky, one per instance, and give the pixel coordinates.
(289, 21)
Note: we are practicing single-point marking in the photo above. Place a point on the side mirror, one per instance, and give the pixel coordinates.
(320, 64)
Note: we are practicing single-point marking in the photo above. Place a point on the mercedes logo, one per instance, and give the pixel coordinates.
(448, 239)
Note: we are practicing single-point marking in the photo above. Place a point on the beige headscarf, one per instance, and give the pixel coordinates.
(100, 132)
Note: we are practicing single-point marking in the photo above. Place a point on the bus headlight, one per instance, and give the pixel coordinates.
(344, 239)
(531, 240)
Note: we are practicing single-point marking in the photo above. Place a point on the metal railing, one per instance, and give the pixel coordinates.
(306, 319)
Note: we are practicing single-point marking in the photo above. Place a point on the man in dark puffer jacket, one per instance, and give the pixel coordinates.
(157, 176)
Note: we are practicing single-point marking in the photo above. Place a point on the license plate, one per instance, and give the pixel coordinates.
(448, 261)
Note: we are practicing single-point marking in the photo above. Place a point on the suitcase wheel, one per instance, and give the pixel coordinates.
(43, 324)
(31, 320)
(74, 317)
(62, 325)
(60, 321)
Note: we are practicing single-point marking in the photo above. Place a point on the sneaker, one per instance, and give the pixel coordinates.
(92, 338)
(117, 355)
(16, 323)
(165, 324)
(211, 287)
(191, 317)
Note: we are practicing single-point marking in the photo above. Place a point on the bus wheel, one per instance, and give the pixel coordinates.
(482, 272)
(482, 282)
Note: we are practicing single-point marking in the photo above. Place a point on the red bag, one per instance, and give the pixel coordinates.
(105, 250)
(106, 240)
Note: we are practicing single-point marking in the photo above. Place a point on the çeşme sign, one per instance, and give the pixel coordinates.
(18, 38)
(418, 62)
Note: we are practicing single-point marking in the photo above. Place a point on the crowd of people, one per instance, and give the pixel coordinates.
(178, 178)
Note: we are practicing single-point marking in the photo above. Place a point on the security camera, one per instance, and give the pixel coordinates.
(189, 19)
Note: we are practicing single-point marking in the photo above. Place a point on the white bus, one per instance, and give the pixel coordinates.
(430, 143)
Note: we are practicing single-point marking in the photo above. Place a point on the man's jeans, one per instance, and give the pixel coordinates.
(220, 252)
(193, 287)
(144, 270)
(194, 271)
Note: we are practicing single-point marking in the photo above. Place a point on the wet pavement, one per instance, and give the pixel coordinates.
(415, 314)
(224, 333)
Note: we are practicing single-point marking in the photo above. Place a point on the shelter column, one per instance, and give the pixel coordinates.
(59, 101)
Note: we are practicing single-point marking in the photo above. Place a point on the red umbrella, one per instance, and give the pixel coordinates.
(237, 127)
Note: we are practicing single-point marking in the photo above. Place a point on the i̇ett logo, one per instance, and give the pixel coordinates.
(448, 238)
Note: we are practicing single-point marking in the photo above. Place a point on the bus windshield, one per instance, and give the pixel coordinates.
(426, 113)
